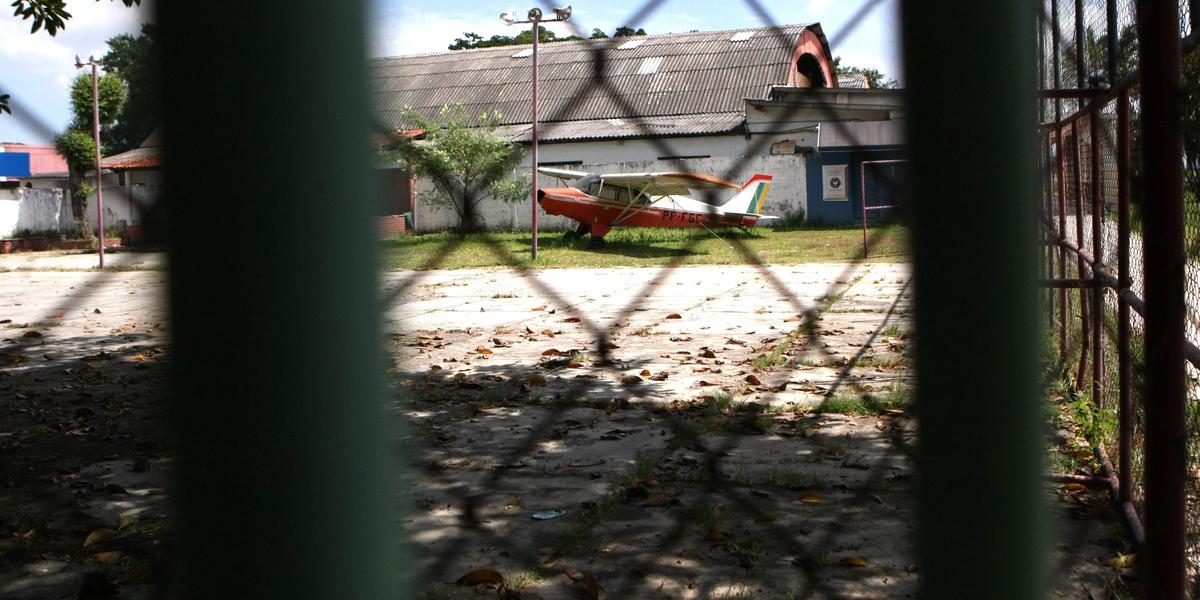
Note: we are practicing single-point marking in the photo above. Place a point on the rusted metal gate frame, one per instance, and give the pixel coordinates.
(1162, 539)
(862, 192)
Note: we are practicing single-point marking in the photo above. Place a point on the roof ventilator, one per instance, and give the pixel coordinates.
(523, 53)
(741, 36)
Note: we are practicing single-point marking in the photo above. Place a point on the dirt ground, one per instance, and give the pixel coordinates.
(717, 432)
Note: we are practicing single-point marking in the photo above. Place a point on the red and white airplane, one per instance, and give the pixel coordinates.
(601, 202)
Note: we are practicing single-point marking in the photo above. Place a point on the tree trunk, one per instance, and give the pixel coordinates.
(79, 203)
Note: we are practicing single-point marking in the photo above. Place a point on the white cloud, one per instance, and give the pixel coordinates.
(37, 69)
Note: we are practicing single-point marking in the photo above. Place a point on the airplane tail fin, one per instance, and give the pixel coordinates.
(749, 200)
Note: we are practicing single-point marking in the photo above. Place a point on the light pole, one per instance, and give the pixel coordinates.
(79, 64)
(535, 18)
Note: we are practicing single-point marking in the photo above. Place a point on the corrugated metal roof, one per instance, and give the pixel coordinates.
(700, 72)
(597, 129)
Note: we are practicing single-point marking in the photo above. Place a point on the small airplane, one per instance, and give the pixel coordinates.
(600, 202)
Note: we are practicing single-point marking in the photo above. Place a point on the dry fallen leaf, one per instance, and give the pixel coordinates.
(537, 379)
(674, 316)
(645, 373)
(126, 521)
(573, 573)
(631, 380)
(811, 498)
(105, 557)
(481, 577)
(482, 350)
(766, 517)
(538, 308)
(594, 590)
(552, 352)
(571, 320)
(752, 380)
(1122, 561)
(715, 535)
(99, 536)
(707, 353)
(1075, 487)
(852, 561)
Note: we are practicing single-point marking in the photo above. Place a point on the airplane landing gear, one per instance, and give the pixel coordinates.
(582, 230)
(596, 243)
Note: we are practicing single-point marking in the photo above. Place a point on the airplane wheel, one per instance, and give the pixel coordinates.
(570, 236)
(597, 243)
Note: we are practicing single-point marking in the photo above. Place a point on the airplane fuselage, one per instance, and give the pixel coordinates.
(664, 211)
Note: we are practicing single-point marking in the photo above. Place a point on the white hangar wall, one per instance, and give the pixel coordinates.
(721, 156)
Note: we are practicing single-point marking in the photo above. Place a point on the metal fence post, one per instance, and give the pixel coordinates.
(1125, 413)
(988, 448)
(1163, 240)
(277, 368)
(1097, 254)
(1082, 270)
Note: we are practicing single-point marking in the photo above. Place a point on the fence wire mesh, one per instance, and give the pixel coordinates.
(684, 488)
(1088, 124)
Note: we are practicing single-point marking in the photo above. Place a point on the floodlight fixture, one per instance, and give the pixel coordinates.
(563, 14)
(535, 14)
(508, 16)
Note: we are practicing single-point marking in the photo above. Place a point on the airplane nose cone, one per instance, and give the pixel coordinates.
(541, 194)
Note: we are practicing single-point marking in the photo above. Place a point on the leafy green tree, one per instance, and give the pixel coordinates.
(51, 15)
(111, 89)
(875, 78)
(466, 161)
(545, 36)
(76, 144)
(1190, 124)
(134, 60)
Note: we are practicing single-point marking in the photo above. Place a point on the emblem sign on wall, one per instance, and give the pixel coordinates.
(834, 177)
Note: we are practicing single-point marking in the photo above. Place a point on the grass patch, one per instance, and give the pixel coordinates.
(866, 404)
(637, 247)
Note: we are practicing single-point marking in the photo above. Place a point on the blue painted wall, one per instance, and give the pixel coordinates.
(849, 211)
(14, 164)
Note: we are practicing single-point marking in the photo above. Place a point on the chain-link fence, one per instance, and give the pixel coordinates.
(1095, 201)
(690, 493)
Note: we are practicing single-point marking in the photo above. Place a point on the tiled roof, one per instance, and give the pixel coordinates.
(139, 158)
(669, 75)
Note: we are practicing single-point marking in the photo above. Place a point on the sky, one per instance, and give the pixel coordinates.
(37, 69)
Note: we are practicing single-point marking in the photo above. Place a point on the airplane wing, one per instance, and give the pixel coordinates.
(668, 183)
(746, 215)
(562, 173)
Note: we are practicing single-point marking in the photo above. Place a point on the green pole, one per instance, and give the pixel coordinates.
(277, 366)
(972, 122)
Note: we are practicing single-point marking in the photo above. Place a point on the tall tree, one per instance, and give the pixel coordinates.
(473, 40)
(134, 60)
(467, 162)
(624, 31)
(875, 77)
(76, 144)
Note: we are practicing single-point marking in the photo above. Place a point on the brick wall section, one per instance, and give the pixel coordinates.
(39, 244)
(391, 226)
